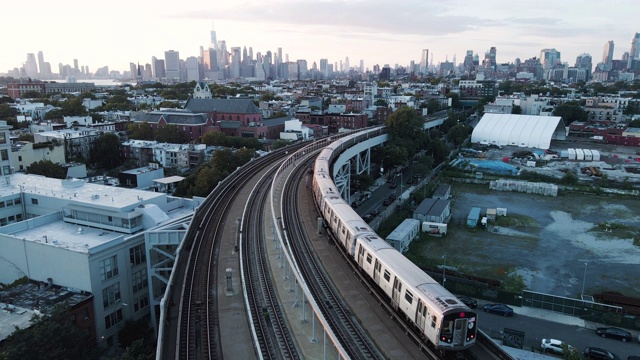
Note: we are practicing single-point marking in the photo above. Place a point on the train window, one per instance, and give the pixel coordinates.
(343, 230)
(369, 258)
(433, 322)
(387, 276)
(408, 296)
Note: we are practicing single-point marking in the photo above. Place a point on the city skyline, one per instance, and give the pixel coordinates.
(131, 32)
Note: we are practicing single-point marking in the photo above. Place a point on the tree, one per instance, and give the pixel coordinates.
(455, 100)
(394, 155)
(433, 106)
(106, 151)
(381, 102)
(170, 134)
(31, 95)
(516, 109)
(140, 131)
(457, 134)
(7, 111)
(439, 150)
(133, 331)
(47, 168)
(570, 112)
(279, 144)
(406, 129)
(52, 336)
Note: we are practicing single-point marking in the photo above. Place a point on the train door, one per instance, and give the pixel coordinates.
(395, 294)
(421, 315)
(460, 331)
(360, 257)
(376, 272)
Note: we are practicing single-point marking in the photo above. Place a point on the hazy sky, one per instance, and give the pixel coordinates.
(117, 32)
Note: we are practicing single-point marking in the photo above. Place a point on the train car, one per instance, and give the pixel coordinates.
(432, 310)
(438, 315)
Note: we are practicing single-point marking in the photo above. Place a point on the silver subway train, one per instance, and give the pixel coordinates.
(439, 316)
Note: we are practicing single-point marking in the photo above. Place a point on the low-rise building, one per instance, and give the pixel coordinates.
(401, 236)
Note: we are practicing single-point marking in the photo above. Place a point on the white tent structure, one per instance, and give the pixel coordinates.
(519, 130)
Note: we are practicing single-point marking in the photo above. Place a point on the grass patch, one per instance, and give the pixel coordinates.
(516, 220)
(622, 231)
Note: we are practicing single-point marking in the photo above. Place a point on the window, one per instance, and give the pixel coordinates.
(139, 280)
(34, 201)
(2, 204)
(4, 155)
(113, 318)
(9, 202)
(111, 295)
(109, 267)
(6, 170)
(141, 302)
(137, 255)
(433, 322)
(17, 201)
(19, 158)
(386, 275)
(369, 258)
(3, 221)
(3, 137)
(408, 296)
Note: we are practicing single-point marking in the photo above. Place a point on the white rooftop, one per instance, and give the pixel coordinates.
(68, 236)
(12, 316)
(77, 190)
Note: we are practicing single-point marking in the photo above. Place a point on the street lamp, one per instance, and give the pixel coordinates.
(584, 280)
(444, 268)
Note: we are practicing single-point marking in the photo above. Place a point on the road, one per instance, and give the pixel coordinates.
(536, 329)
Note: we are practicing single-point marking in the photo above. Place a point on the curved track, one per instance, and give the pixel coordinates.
(272, 335)
(352, 337)
(198, 334)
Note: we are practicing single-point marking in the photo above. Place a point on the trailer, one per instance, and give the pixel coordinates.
(588, 155)
(473, 217)
(579, 154)
(572, 154)
(433, 228)
(595, 154)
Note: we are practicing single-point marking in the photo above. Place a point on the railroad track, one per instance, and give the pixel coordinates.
(344, 324)
(272, 336)
(198, 335)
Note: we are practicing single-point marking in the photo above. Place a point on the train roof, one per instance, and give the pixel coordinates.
(374, 243)
(421, 283)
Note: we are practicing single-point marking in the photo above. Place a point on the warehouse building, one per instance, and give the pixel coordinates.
(519, 130)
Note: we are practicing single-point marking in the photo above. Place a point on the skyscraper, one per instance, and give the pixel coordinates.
(634, 54)
(172, 64)
(583, 61)
(31, 67)
(424, 61)
(607, 54)
(549, 58)
(210, 63)
(214, 41)
(235, 62)
(193, 71)
(324, 67)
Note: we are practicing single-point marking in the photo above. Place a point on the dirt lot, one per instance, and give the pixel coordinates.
(548, 240)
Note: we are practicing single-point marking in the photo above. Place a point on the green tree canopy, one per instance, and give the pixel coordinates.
(50, 337)
(7, 111)
(47, 168)
(140, 131)
(406, 129)
(516, 109)
(439, 150)
(433, 106)
(106, 151)
(170, 134)
(394, 155)
(458, 134)
(570, 112)
(381, 102)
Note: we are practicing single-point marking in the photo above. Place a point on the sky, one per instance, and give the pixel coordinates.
(116, 32)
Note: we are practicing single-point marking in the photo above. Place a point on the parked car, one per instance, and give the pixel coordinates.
(393, 185)
(470, 302)
(615, 333)
(597, 353)
(387, 201)
(375, 212)
(500, 309)
(367, 218)
(555, 346)
(354, 205)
